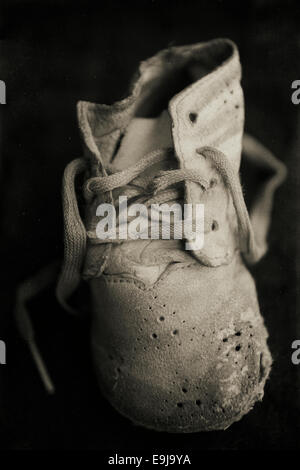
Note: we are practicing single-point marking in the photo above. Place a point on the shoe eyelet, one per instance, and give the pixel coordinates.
(215, 226)
(193, 117)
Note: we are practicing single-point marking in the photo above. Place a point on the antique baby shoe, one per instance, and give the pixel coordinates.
(178, 340)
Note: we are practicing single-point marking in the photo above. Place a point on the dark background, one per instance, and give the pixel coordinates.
(54, 53)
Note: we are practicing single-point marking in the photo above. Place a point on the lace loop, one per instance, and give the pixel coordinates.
(74, 235)
(158, 190)
(231, 180)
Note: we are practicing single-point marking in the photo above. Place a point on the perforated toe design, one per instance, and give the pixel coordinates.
(181, 356)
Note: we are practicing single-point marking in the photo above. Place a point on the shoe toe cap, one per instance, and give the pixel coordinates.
(182, 360)
(173, 388)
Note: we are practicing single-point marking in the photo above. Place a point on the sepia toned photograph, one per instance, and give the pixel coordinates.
(150, 188)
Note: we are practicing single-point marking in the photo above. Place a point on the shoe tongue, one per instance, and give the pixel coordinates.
(143, 135)
(145, 259)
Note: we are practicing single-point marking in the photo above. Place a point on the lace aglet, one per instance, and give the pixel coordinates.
(43, 372)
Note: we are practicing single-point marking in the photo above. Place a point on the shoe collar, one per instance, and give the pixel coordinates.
(209, 111)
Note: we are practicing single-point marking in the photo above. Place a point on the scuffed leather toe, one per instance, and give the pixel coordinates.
(188, 354)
